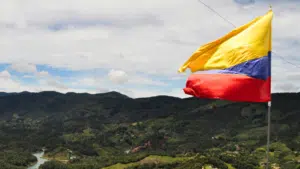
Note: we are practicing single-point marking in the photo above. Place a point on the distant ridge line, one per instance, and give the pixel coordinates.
(111, 93)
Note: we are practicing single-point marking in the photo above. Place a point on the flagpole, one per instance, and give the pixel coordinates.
(269, 105)
(268, 134)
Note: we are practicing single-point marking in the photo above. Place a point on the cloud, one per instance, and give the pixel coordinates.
(118, 76)
(121, 77)
(55, 84)
(29, 70)
(24, 67)
(7, 84)
(139, 80)
(287, 87)
(245, 2)
(134, 43)
(43, 74)
(5, 74)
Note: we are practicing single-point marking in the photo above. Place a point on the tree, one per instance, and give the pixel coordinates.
(53, 165)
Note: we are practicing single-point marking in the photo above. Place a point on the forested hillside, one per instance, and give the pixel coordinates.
(111, 130)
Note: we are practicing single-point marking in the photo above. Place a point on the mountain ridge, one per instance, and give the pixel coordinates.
(110, 93)
(100, 128)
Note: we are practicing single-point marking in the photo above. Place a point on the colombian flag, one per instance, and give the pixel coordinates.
(236, 67)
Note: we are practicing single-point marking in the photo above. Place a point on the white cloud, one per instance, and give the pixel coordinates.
(132, 37)
(286, 87)
(24, 67)
(5, 74)
(43, 74)
(157, 40)
(29, 69)
(118, 76)
(7, 83)
(55, 84)
(121, 77)
(28, 76)
(88, 81)
(52, 84)
(139, 80)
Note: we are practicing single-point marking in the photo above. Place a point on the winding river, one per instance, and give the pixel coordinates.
(40, 159)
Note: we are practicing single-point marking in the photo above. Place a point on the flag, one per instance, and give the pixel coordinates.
(236, 67)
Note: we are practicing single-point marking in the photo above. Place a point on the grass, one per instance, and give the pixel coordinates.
(207, 167)
(149, 160)
(230, 166)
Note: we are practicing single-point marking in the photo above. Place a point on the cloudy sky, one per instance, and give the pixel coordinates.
(131, 46)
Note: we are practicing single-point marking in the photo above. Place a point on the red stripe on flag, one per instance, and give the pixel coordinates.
(234, 87)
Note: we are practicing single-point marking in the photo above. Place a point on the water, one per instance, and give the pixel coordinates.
(40, 160)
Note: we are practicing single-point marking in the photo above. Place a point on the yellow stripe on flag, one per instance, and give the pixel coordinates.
(248, 42)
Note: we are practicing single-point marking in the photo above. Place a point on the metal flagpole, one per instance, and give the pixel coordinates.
(269, 103)
(268, 133)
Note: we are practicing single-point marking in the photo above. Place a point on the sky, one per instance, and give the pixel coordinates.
(131, 46)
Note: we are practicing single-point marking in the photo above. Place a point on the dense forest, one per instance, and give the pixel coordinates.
(113, 131)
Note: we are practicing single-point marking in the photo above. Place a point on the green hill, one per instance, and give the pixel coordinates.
(105, 129)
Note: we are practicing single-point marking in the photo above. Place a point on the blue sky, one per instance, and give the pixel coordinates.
(134, 47)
